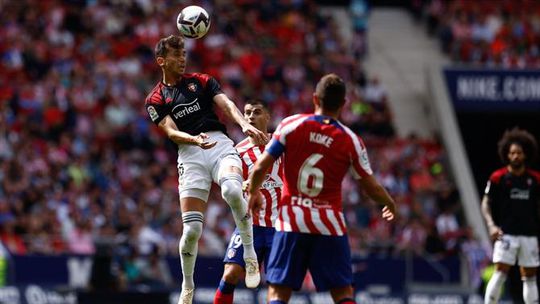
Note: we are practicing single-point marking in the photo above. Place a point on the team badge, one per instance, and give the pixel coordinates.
(192, 87)
(153, 113)
(231, 253)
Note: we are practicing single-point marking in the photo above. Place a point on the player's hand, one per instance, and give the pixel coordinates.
(388, 214)
(200, 140)
(495, 233)
(255, 203)
(245, 186)
(258, 136)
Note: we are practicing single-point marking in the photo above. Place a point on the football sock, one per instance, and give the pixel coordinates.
(224, 293)
(192, 224)
(277, 302)
(493, 289)
(530, 290)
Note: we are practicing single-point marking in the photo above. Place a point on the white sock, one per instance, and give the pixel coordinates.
(493, 289)
(188, 247)
(231, 190)
(530, 290)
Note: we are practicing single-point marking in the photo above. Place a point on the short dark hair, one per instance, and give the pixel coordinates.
(256, 101)
(165, 44)
(331, 91)
(522, 138)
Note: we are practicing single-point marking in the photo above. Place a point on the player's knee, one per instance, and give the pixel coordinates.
(231, 189)
(232, 273)
(504, 268)
(527, 272)
(192, 226)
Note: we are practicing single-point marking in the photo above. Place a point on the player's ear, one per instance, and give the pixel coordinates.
(160, 61)
(316, 100)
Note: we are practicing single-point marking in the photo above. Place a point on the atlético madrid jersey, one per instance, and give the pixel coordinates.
(316, 151)
(271, 187)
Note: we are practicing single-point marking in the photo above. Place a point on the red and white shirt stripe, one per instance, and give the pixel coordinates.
(317, 151)
(271, 187)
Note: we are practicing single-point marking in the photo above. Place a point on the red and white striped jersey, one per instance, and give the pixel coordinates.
(316, 151)
(271, 187)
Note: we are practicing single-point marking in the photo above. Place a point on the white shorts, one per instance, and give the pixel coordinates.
(198, 168)
(510, 247)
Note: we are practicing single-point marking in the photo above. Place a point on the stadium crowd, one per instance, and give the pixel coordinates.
(82, 165)
(503, 33)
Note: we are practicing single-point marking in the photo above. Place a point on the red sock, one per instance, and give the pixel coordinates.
(222, 298)
(224, 293)
(347, 301)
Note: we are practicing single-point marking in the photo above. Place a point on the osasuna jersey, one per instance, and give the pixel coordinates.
(271, 187)
(317, 153)
(189, 103)
(515, 201)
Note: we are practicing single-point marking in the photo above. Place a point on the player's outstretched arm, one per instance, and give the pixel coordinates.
(234, 114)
(255, 180)
(377, 192)
(181, 138)
(495, 232)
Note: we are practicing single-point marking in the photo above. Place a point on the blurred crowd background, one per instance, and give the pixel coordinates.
(501, 33)
(82, 165)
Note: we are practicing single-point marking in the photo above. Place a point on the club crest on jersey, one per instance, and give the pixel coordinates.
(231, 253)
(192, 87)
(153, 113)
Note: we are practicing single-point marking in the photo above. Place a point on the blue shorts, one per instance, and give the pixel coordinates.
(327, 257)
(262, 241)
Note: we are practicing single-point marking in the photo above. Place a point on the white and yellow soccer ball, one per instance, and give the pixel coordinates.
(193, 22)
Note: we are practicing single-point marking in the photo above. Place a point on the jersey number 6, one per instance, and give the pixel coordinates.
(308, 172)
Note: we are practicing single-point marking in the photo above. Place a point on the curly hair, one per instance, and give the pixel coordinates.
(522, 138)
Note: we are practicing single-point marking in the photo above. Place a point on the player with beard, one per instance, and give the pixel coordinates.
(511, 210)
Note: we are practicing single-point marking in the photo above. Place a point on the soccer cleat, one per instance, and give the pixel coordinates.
(186, 296)
(253, 277)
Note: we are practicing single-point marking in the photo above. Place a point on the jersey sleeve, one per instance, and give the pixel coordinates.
(492, 187)
(156, 107)
(360, 166)
(275, 148)
(213, 87)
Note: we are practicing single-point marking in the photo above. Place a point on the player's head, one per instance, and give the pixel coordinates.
(171, 55)
(517, 148)
(257, 114)
(330, 93)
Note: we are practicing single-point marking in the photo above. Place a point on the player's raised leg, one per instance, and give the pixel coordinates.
(231, 191)
(192, 219)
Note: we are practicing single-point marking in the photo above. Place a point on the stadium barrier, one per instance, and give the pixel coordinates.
(33, 294)
(75, 271)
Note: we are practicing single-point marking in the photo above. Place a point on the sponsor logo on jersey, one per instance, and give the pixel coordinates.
(519, 194)
(187, 110)
(153, 113)
(192, 87)
(270, 183)
(231, 253)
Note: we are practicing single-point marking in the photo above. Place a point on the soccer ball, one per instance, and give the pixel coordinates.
(193, 22)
